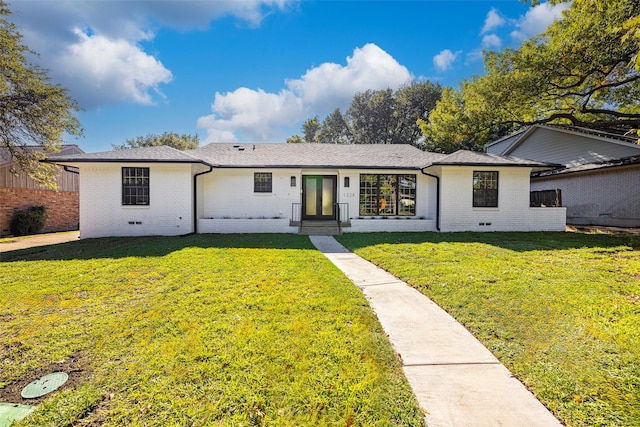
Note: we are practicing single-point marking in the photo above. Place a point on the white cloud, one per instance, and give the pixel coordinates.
(491, 41)
(492, 21)
(93, 47)
(111, 71)
(445, 59)
(537, 19)
(256, 115)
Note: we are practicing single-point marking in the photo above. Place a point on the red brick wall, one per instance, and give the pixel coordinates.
(63, 208)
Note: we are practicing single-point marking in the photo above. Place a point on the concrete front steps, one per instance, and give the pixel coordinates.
(320, 228)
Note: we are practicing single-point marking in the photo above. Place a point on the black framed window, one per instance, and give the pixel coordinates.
(135, 186)
(262, 182)
(387, 194)
(485, 189)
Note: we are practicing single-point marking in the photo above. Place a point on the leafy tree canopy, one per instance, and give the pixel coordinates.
(583, 70)
(33, 111)
(172, 139)
(376, 117)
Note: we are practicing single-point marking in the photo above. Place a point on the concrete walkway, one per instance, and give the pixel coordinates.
(455, 378)
(39, 240)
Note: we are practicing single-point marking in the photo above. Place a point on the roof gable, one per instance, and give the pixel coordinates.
(66, 149)
(565, 145)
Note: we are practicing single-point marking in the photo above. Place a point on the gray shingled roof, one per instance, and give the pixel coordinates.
(279, 155)
(472, 158)
(626, 161)
(163, 154)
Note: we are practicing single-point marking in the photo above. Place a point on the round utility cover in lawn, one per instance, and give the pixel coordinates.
(10, 412)
(44, 385)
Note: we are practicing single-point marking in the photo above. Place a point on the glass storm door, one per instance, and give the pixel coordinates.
(319, 197)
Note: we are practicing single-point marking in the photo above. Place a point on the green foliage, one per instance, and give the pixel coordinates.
(560, 310)
(334, 130)
(580, 72)
(376, 117)
(33, 111)
(171, 139)
(29, 221)
(220, 330)
(295, 139)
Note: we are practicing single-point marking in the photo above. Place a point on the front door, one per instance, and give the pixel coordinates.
(319, 197)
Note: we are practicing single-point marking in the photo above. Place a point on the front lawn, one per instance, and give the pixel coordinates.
(196, 331)
(560, 310)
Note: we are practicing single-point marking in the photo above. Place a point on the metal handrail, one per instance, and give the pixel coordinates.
(296, 213)
(342, 213)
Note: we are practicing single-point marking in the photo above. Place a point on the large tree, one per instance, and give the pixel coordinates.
(172, 139)
(376, 117)
(33, 110)
(580, 72)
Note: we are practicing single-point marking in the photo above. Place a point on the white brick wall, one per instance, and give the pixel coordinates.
(227, 203)
(513, 212)
(102, 213)
(371, 225)
(228, 193)
(238, 225)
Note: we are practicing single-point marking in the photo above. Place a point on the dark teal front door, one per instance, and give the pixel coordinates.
(319, 197)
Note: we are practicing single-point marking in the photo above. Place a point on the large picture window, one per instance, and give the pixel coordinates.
(135, 186)
(262, 182)
(485, 189)
(387, 194)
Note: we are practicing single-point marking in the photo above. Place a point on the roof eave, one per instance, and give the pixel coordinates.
(315, 167)
(510, 165)
(68, 160)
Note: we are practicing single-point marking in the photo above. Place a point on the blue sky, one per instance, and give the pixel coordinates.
(252, 70)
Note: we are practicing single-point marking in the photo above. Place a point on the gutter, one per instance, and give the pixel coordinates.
(195, 197)
(66, 169)
(437, 197)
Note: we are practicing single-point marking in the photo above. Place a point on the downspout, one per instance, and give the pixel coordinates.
(195, 198)
(437, 197)
(66, 169)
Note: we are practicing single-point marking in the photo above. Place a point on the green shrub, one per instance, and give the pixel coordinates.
(28, 221)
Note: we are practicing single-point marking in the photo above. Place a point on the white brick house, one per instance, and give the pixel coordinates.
(289, 188)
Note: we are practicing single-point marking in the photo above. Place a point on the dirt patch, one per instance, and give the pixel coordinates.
(73, 366)
(593, 229)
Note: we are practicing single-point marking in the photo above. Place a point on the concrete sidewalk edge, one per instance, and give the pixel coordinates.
(457, 381)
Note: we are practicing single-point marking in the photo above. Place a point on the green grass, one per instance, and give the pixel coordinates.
(209, 330)
(561, 310)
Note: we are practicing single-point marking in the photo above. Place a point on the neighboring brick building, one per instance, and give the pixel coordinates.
(19, 192)
(599, 179)
(603, 193)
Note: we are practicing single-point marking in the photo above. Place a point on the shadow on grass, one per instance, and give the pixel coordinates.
(122, 247)
(519, 242)
(155, 246)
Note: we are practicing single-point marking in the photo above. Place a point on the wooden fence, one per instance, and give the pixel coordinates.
(66, 181)
(545, 198)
